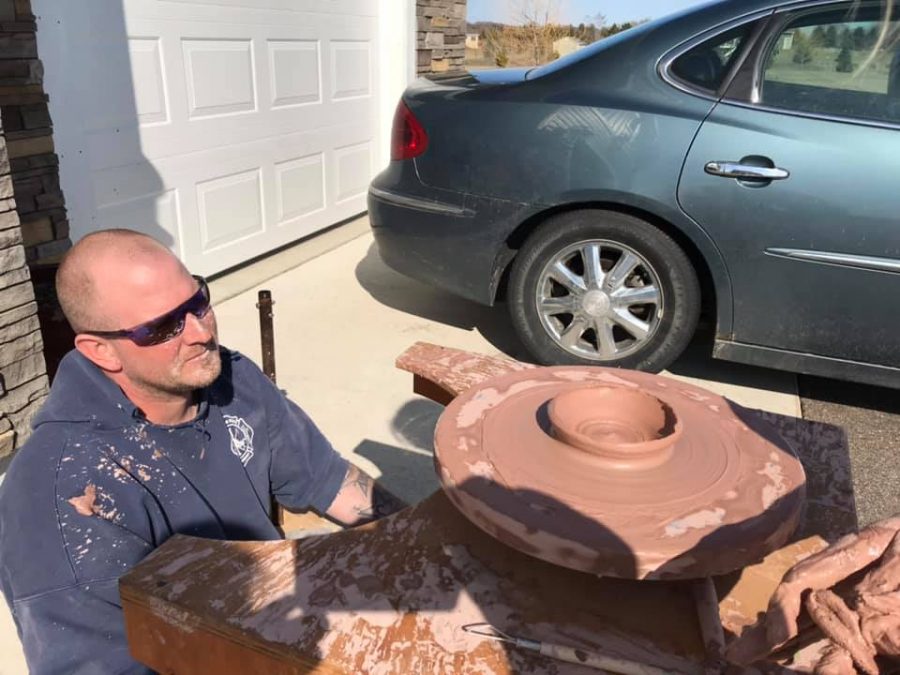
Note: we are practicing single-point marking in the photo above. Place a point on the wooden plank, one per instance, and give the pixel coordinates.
(390, 597)
(454, 370)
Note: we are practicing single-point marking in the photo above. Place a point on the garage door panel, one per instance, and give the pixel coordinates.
(228, 128)
(155, 214)
(230, 209)
(351, 69)
(353, 7)
(297, 197)
(147, 70)
(158, 143)
(352, 168)
(220, 77)
(295, 72)
(299, 187)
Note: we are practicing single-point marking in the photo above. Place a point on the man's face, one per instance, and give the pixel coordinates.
(146, 290)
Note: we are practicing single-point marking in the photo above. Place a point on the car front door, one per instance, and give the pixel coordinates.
(796, 176)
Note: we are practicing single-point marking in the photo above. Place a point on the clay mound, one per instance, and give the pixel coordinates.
(619, 473)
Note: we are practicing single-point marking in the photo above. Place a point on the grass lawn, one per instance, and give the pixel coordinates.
(821, 71)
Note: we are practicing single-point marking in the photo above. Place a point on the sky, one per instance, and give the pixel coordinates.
(579, 11)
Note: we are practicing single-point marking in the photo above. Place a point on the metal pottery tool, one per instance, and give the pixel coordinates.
(576, 655)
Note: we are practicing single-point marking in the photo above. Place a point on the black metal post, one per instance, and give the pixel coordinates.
(267, 333)
(267, 339)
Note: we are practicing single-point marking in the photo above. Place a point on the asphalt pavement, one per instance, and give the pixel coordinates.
(871, 418)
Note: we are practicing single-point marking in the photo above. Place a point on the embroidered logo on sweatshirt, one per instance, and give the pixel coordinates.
(241, 437)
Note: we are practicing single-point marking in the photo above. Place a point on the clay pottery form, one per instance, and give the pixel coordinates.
(619, 473)
(620, 427)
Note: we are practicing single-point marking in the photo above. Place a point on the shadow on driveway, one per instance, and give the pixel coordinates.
(407, 295)
(412, 297)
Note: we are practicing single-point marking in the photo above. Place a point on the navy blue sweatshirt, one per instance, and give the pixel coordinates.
(97, 487)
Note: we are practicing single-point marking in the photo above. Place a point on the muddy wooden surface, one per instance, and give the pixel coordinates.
(393, 596)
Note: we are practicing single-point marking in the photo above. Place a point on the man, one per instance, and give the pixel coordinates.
(151, 429)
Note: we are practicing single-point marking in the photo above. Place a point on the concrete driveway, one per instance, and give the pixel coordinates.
(342, 317)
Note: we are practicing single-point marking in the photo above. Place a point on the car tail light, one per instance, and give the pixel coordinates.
(408, 137)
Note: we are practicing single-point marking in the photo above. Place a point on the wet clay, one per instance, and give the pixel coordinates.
(619, 473)
(861, 621)
(84, 504)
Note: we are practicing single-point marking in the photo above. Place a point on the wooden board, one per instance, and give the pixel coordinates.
(390, 597)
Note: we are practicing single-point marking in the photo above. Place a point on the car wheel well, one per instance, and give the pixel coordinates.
(707, 288)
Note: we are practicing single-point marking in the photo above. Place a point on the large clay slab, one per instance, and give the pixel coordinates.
(726, 493)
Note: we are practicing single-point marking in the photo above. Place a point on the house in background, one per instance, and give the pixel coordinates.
(473, 40)
(225, 128)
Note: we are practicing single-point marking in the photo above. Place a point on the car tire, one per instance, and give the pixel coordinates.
(614, 326)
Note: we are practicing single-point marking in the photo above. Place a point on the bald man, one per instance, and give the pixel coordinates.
(151, 429)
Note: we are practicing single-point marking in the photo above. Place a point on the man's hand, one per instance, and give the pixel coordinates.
(361, 500)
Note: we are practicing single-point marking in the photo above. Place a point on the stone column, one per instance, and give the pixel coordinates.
(23, 379)
(29, 136)
(33, 226)
(440, 36)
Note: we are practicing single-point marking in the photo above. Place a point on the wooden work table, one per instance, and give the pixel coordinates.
(392, 597)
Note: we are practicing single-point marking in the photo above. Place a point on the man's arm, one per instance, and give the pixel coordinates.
(361, 500)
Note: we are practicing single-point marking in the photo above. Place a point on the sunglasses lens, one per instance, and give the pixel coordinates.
(163, 329)
(172, 324)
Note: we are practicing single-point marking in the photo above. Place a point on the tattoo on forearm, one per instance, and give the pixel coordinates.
(370, 500)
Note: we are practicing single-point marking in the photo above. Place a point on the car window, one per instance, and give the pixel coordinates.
(839, 63)
(706, 65)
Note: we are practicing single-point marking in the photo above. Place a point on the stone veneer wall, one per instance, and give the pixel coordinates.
(29, 136)
(33, 226)
(440, 36)
(23, 379)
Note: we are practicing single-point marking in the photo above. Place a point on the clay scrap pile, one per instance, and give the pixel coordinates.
(851, 594)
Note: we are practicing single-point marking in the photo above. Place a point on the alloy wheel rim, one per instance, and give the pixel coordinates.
(599, 300)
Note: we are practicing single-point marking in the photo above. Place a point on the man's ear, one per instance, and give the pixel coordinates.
(98, 351)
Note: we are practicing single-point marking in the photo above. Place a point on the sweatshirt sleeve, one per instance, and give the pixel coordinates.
(306, 471)
(79, 629)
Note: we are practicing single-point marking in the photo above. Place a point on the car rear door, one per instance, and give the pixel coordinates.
(794, 174)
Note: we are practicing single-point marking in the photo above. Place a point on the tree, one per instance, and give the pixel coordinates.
(593, 28)
(818, 37)
(831, 37)
(539, 27)
(845, 41)
(844, 61)
(495, 41)
(859, 38)
(801, 49)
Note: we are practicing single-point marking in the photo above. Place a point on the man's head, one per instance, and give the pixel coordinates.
(119, 279)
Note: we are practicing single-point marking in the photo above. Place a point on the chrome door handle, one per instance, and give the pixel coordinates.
(745, 171)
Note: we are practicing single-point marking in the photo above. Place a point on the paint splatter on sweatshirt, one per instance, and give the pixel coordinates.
(97, 487)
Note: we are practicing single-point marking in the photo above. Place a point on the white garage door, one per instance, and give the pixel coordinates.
(226, 128)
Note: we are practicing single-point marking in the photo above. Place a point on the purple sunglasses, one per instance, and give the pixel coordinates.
(167, 326)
